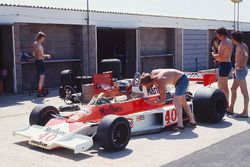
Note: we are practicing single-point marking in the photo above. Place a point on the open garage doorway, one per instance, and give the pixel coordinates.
(118, 44)
(6, 57)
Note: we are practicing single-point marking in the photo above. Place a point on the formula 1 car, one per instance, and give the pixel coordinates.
(113, 120)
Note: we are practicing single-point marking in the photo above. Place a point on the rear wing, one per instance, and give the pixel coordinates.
(205, 78)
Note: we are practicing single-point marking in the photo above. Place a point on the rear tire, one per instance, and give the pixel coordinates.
(113, 133)
(209, 105)
(41, 114)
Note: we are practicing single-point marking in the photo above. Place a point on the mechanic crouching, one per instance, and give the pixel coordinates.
(163, 77)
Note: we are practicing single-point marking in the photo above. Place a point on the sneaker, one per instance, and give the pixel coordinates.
(191, 125)
(178, 128)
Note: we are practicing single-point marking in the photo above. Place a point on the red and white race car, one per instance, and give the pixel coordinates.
(113, 120)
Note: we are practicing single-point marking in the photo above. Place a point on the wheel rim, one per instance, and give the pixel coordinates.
(120, 135)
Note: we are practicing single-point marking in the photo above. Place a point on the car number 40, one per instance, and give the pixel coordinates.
(171, 117)
(47, 136)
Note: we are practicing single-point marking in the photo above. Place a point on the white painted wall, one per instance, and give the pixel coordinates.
(10, 14)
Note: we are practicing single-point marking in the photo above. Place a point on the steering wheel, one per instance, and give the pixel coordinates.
(102, 100)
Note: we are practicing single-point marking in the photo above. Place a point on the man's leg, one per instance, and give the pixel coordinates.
(178, 107)
(40, 84)
(244, 91)
(233, 96)
(223, 86)
(188, 110)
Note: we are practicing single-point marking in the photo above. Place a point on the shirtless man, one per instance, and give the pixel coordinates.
(163, 77)
(37, 52)
(240, 73)
(224, 58)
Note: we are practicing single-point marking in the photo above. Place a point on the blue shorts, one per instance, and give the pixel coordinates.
(240, 74)
(40, 67)
(225, 69)
(181, 86)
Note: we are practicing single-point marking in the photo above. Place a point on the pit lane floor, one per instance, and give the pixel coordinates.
(164, 148)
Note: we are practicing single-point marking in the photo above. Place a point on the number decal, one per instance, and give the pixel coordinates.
(171, 116)
(167, 118)
(47, 136)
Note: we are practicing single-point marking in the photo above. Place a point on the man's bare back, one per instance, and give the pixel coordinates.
(166, 76)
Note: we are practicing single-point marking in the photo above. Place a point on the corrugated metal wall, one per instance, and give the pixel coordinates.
(195, 45)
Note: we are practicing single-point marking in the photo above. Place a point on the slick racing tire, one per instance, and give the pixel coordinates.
(113, 133)
(209, 105)
(41, 114)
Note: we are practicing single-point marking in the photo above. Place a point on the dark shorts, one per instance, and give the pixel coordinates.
(225, 69)
(181, 86)
(40, 67)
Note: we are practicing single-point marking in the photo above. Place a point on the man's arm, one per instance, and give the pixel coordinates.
(220, 52)
(162, 91)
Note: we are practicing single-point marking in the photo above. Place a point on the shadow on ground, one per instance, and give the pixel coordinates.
(219, 125)
(96, 150)
(168, 134)
(10, 100)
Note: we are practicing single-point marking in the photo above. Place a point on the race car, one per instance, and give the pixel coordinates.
(111, 121)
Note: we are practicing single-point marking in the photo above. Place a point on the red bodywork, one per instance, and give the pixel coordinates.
(95, 113)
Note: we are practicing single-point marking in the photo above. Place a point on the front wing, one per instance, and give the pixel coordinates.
(38, 136)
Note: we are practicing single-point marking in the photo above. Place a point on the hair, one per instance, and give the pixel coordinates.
(40, 35)
(237, 36)
(221, 31)
(145, 78)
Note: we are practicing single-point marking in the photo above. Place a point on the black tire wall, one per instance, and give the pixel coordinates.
(210, 105)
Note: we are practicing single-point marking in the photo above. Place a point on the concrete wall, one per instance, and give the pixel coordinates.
(178, 58)
(53, 71)
(195, 45)
(155, 43)
(90, 62)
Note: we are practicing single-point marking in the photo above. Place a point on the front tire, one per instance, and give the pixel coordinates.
(41, 114)
(210, 105)
(113, 133)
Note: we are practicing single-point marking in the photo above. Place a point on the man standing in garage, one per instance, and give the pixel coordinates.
(224, 58)
(38, 53)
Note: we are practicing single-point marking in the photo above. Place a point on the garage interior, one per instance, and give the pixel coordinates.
(157, 48)
(118, 44)
(6, 58)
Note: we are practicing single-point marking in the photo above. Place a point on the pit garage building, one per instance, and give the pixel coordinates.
(142, 42)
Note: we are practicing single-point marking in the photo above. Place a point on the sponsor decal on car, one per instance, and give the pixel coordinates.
(131, 122)
(38, 143)
(55, 131)
(140, 118)
(194, 75)
(111, 110)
